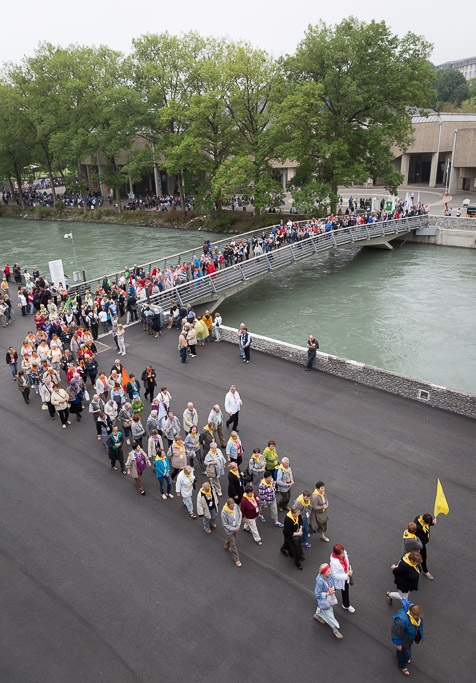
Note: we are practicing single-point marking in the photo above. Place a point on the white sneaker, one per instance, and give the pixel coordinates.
(349, 608)
(164, 496)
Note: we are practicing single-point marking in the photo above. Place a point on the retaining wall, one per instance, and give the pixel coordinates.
(450, 232)
(417, 390)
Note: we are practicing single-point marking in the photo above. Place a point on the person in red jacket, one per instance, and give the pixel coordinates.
(249, 507)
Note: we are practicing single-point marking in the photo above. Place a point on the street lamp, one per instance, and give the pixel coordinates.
(76, 274)
(452, 160)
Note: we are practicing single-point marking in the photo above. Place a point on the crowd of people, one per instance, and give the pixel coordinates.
(57, 362)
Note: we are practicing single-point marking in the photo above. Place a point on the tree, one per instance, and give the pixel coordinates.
(253, 90)
(451, 87)
(17, 141)
(369, 82)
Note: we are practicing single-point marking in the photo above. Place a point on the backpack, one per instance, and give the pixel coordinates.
(247, 477)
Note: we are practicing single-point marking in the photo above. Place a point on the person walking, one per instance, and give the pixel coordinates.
(234, 449)
(182, 346)
(12, 361)
(46, 391)
(60, 400)
(115, 443)
(257, 466)
(407, 576)
(177, 455)
(216, 419)
(342, 574)
(423, 525)
(149, 379)
(192, 449)
(207, 506)
(184, 486)
(304, 504)
(170, 427)
(284, 482)
(292, 533)
(121, 339)
(249, 507)
(23, 386)
(245, 341)
(125, 416)
(411, 542)
(267, 498)
(233, 405)
(231, 519)
(407, 628)
(96, 406)
(312, 346)
(324, 593)
(137, 430)
(162, 472)
(136, 464)
(235, 483)
(319, 514)
(215, 467)
(270, 454)
(190, 418)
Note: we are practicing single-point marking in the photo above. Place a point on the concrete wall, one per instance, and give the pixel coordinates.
(451, 232)
(435, 396)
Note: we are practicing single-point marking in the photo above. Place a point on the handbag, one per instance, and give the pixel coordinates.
(210, 471)
(44, 406)
(86, 395)
(351, 579)
(126, 424)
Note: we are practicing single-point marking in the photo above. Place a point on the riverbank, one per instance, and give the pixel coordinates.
(225, 221)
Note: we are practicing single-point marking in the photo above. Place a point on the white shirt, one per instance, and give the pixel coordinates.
(233, 402)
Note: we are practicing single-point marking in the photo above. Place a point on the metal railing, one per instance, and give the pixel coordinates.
(357, 233)
(211, 287)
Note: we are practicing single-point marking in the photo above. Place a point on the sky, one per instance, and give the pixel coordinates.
(276, 26)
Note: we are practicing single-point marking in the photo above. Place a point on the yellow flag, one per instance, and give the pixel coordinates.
(441, 506)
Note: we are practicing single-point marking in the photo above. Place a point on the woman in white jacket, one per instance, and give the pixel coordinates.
(184, 486)
(341, 572)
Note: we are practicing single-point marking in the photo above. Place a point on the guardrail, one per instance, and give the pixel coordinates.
(211, 287)
(187, 256)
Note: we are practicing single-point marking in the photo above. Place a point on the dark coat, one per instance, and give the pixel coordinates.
(406, 577)
(235, 487)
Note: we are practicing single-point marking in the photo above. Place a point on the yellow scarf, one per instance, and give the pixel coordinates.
(285, 469)
(235, 440)
(180, 446)
(424, 525)
(160, 457)
(208, 429)
(225, 507)
(265, 483)
(189, 476)
(415, 622)
(257, 457)
(408, 534)
(406, 559)
(235, 473)
(250, 497)
(295, 519)
(208, 494)
(303, 502)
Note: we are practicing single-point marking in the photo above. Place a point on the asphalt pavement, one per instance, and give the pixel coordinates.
(101, 584)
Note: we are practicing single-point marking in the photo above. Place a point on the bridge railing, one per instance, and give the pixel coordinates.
(209, 287)
(357, 232)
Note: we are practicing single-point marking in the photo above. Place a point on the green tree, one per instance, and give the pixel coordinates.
(369, 82)
(254, 88)
(17, 140)
(451, 87)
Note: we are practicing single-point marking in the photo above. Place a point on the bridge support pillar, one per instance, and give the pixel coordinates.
(383, 245)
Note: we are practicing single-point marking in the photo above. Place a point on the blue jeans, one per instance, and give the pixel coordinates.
(161, 483)
(207, 522)
(13, 368)
(305, 531)
(403, 657)
(183, 354)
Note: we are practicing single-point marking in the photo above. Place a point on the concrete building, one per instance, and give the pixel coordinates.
(443, 152)
(466, 66)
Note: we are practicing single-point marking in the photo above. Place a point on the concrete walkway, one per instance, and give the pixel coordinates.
(100, 584)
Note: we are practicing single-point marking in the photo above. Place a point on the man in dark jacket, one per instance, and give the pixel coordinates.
(407, 575)
(407, 628)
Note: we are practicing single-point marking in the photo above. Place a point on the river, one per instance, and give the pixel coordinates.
(410, 310)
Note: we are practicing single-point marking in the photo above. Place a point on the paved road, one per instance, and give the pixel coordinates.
(100, 584)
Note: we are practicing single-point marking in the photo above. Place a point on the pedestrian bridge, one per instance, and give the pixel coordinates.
(214, 289)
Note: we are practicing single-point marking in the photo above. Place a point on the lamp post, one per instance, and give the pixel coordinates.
(452, 160)
(76, 274)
